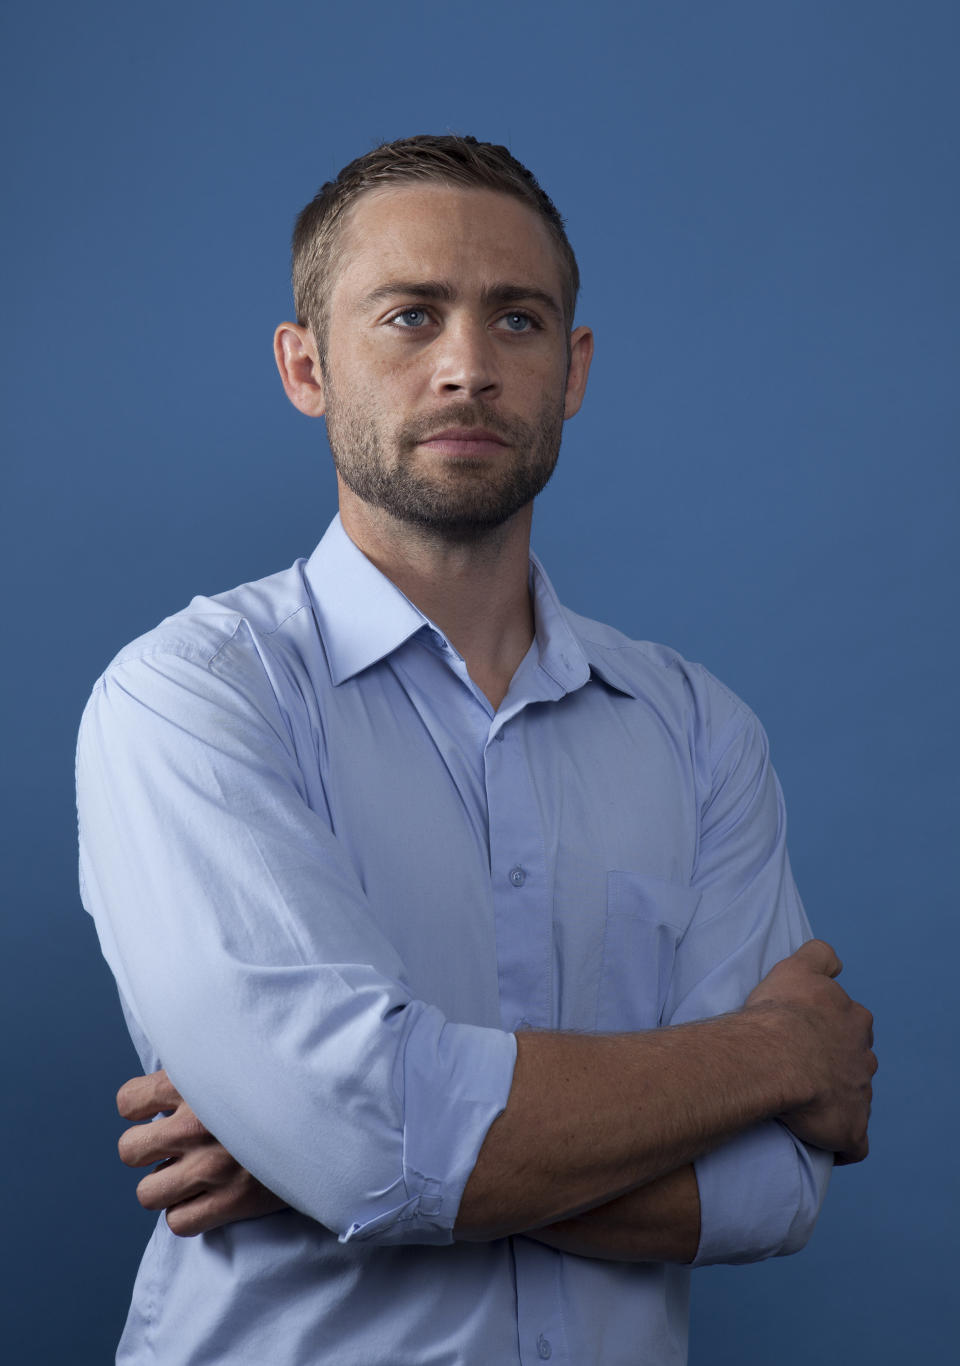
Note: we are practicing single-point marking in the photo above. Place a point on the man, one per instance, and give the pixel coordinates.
(401, 868)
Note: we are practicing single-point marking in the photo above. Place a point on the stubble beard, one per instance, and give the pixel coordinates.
(470, 497)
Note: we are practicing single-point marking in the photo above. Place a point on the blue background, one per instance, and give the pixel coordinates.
(764, 201)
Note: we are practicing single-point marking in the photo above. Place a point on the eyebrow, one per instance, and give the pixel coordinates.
(442, 291)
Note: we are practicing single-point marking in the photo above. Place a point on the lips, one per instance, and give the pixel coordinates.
(466, 442)
(465, 434)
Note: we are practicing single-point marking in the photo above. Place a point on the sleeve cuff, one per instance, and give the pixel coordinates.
(455, 1082)
(760, 1195)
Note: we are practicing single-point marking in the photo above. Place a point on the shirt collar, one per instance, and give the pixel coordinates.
(363, 617)
(571, 659)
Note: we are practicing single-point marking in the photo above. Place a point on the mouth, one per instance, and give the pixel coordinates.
(464, 441)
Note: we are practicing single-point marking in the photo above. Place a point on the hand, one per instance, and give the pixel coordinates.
(835, 1039)
(197, 1182)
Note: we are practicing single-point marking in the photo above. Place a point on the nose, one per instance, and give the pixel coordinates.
(466, 364)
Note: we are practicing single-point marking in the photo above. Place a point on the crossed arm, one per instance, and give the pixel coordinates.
(609, 1172)
(202, 1187)
(593, 1146)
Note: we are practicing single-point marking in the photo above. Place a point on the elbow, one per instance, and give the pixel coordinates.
(760, 1196)
(814, 1169)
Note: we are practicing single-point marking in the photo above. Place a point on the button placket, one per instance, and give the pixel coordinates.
(521, 898)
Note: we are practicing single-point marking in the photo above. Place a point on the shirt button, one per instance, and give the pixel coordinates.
(544, 1350)
(518, 877)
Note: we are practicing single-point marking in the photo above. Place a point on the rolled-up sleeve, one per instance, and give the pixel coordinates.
(247, 955)
(760, 1193)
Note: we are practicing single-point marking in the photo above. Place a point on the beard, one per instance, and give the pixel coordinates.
(467, 498)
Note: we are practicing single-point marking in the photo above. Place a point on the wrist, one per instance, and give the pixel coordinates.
(778, 1032)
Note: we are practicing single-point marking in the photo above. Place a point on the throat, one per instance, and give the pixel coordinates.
(494, 686)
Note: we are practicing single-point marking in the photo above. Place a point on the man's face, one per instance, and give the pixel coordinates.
(446, 379)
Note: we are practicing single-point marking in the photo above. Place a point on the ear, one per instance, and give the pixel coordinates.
(581, 354)
(299, 364)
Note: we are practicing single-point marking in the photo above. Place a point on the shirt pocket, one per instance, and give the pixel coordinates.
(645, 921)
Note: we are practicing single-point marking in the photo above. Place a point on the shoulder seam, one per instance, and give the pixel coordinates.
(179, 649)
(242, 620)
(300, 607)
(188, 649)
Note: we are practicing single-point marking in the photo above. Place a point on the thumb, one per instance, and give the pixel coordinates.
(820, 956)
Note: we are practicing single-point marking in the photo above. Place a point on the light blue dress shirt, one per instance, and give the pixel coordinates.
(331, 882)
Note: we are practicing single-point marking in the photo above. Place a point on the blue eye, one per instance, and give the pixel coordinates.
(413, 317)
(518, 322)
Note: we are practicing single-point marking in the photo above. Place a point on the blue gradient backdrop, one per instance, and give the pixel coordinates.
(764, 200)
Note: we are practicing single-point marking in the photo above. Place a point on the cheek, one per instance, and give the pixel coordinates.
(543, 386)
(393, 381)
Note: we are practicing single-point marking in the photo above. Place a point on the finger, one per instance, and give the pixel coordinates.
(821, 957)
(141, 1147)
(196, 1216)
(207, 1211)
(144, 1097)
(145, 1144)
(183, 1178)
(213, 1209)
(171, 1136)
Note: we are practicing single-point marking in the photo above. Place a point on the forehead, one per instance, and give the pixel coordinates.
(471, 237)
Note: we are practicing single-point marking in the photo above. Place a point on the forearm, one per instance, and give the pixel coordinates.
(659, 1222)
(613, 1113)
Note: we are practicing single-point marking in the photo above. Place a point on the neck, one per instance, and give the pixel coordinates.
(476, 591)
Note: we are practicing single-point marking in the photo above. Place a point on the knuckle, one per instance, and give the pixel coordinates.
(224, 1167)
(165, 1090)
(189, 1128)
